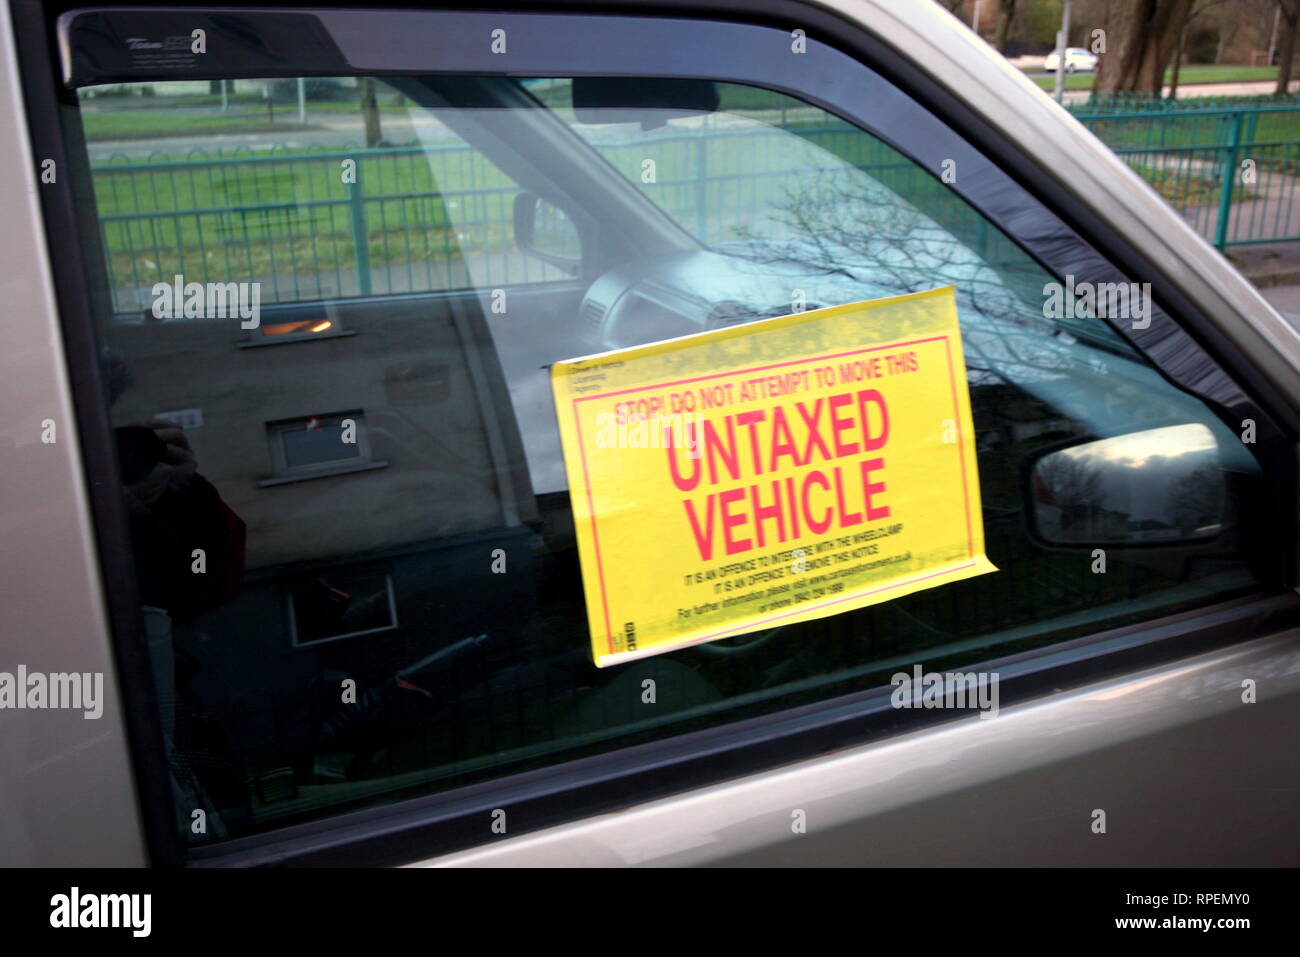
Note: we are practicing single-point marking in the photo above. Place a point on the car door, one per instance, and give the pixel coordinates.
(333, 532)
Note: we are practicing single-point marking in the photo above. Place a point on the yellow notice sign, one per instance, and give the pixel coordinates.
(769, 473)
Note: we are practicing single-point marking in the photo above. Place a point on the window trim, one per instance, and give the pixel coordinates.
(443, 822)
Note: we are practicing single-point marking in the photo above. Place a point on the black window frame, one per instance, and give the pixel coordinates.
(1066, 237)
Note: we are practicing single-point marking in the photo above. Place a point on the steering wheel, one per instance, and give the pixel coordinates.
(741, 643)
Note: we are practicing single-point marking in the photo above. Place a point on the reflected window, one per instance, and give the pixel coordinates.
(319, 445)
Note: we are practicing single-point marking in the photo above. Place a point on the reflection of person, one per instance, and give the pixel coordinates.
(157, 456)
(174, 513)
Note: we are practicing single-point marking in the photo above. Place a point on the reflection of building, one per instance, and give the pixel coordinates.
(440, 455)
(1086, 522)
(362, 557)
(1151, 530)
(1008, 415)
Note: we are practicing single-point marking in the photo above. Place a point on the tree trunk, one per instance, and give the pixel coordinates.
(1002, 32)
(1141, 36)
(370, 112)
(1227, 33)
(1178, 63)
(1286, 44)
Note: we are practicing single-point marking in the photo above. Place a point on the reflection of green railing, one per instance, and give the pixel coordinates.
(415, 218)
(1230, 166)
(1153, 105)
(333, 223)
(308, 224)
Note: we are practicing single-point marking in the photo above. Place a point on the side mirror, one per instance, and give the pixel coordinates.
(1162, 486)
(544, 231)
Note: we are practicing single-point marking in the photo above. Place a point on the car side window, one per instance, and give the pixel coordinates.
(355, 551)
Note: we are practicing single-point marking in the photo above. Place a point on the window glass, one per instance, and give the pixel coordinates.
(355, 192)
(390, 601)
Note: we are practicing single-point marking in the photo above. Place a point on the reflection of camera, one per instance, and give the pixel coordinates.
(138, 450)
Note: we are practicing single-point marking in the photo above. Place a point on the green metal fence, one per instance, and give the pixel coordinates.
(1229, 166)
(335, 222)
(307, 224)
(329, 223)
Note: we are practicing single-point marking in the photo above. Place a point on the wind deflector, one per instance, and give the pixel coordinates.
(122, 46)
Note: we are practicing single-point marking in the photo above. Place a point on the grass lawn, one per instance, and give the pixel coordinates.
(1184, 191)
(244, 215)
(134, 120)
(1186, 76)
(237, 215)
(152, 124)
(1271, 139)
(1073, 81)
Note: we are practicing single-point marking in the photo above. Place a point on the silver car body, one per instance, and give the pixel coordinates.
(1187, 773)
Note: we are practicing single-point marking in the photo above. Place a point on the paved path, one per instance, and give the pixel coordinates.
(1193, 90)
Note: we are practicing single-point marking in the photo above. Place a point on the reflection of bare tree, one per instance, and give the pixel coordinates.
(1071, 480)
(1196, 500)
(848, 226)
(867, 240)
(1073, 485)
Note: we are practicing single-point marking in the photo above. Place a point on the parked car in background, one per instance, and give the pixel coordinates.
(1077, 60)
